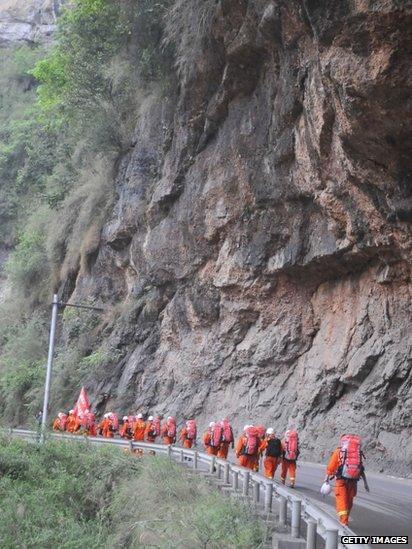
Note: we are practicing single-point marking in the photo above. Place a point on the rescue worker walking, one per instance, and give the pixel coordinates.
(139, 428)
(169, 431)
(188, 434)
(210, 444)
(106, 427)
(272, 447)
(72, 424)
(125, 430)
(290, 453)
(226, 439)
(346, 466)
(152, 429)
(247, 447)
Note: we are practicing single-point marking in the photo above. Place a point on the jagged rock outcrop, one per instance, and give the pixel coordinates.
(28, 21)
(261, 236)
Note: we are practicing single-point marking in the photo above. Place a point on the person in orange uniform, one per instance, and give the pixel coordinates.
(57, 426)
(290, 453)
(125, 430)
(169, 431)
(188, 434)
(152, 429)
(345, 488)
(227, 439)
(272, 447)
(106, 427)
(247, 447)
(73, 424)
(210, 447)
(139, 428)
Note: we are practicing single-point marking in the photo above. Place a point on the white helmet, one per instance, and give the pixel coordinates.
(270, 431)
(150, 418)
(125, 418)
(246, 427)
(139, 416)
(212, 424)
(71, 412)
(106, 415)
(170, 417)
(325, 489)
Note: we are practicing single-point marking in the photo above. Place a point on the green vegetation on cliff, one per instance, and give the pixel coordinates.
(66, 119)
(70, 494)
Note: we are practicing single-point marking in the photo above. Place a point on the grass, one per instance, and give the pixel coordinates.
(69, 495)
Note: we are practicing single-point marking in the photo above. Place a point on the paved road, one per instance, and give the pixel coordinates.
(386, 510)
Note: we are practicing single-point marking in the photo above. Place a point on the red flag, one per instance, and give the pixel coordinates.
(82, 404)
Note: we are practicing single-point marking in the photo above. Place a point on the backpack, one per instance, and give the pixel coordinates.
(274, 447)
(291, 446)
(350, 457)
(252, 442)
(171, 428)
(191, 429)
(155, 427)
(261, 430)
(216, 435)
(227, 434)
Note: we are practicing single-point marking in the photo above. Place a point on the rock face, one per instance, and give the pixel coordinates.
(27, 21)
(261, 237)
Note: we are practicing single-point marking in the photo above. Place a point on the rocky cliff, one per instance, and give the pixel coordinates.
(27, 22)
(260, 242)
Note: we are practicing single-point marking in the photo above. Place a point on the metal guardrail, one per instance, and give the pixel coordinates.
(262, 490)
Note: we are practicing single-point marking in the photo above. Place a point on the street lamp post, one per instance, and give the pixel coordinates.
(55, 309)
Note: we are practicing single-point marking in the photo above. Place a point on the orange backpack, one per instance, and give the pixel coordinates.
(191, 429)
(252, 442)
(350, 457)
(171, 427)
(291, 445)
(227, 434)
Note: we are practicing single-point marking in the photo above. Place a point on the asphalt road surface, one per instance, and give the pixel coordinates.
(385, 510)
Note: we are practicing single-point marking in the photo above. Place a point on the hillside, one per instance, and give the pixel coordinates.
(231, 182)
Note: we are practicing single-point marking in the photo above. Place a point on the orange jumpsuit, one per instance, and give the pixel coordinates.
(148, 436)
(223, 450)
(187, 442)
(345, 490)
(288, 466)
(244, 460)
(211, 450)
(139, 430)
(270, 463)
(72, 424)
(105, 426)
(56, 424)
(165, 438)
(124, 430)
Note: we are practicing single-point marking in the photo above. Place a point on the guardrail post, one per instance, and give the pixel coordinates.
(246, 476)
(256, 492)
(311, 534)
(268, 497)
(331, 539)
(131, 446)
(235, 480)
(212, 468)
(195, 459)
(219, 471)
(182, 456)
(283, 510)
(296, 510)
(169, 452)
(226, 471)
